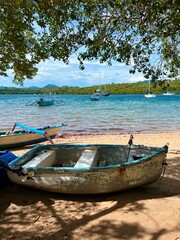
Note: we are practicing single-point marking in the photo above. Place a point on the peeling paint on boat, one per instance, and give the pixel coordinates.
(119, 176)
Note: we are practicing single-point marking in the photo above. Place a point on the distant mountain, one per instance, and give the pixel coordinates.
(2, 87)
(50, 86)
(33, 87)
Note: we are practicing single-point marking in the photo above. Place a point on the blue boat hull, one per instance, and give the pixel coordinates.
(6, 157)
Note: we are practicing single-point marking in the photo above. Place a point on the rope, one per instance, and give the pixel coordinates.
(164, 164)
(130, 142)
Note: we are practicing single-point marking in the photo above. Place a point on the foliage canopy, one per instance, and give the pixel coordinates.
(107, 30)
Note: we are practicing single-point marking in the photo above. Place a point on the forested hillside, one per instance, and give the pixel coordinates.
(123, 88)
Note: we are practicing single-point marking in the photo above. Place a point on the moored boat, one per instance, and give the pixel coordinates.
(168, 93)
(150, 95)
(105, 93)
(45, 103)
(94, 97)
(89, 168)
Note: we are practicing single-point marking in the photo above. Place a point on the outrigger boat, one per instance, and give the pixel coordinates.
(28, 135)
(89, 168)
(45, 101)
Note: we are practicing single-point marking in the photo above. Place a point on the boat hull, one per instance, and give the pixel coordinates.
(150, 95)
(22, 138)
(94, 180)
(168, 94)
(45, 103)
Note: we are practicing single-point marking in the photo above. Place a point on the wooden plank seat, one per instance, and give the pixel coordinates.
(45, 158)
(88, 158)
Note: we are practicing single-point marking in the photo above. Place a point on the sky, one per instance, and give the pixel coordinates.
(60, 74)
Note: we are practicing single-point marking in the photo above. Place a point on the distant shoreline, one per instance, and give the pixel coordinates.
(113, 88)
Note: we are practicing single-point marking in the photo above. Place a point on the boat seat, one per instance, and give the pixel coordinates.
(45, 158)
(88, 158)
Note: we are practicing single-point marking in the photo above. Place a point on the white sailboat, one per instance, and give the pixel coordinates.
(168, 93)
(105, 93)
(149, 94)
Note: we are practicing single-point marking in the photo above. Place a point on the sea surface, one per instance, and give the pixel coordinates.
(112, 114)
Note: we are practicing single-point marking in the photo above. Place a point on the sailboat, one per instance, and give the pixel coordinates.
(98, 91)
(168, 93)
(105, 93)
(149, 94)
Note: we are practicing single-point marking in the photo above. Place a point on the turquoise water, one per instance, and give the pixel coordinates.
(112, 114)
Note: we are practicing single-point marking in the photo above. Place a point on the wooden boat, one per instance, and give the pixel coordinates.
(88, 169)
(27, 136)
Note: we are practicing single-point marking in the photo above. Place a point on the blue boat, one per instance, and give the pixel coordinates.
(45, 103)
(5, 158)
(94, 97)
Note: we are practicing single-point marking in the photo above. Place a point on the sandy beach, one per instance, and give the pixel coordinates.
(149, 213)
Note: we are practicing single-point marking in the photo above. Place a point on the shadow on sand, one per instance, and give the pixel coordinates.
(24, 207)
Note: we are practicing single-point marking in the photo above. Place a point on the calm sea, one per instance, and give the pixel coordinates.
(112, 114)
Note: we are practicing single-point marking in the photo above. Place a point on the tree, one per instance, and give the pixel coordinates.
(107, 30)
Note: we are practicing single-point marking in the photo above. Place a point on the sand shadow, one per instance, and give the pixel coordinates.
(83, 206)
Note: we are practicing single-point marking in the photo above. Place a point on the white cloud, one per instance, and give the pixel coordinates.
(58, 73)
(136, 78)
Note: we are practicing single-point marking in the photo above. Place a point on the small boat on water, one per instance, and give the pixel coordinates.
(89, 168)
(150, 95)
(45, 101)
(27, 136)
(105, 93)
(168, 93)
(94, 97)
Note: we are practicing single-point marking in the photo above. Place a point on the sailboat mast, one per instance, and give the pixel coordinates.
(149, 89)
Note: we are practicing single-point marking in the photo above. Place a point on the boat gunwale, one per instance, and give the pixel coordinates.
(23, 132)
(18, 160)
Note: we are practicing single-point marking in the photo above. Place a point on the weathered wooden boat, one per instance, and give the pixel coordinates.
(88, 169)
(27, 136)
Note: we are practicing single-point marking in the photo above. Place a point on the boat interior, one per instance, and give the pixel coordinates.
(82, 157)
